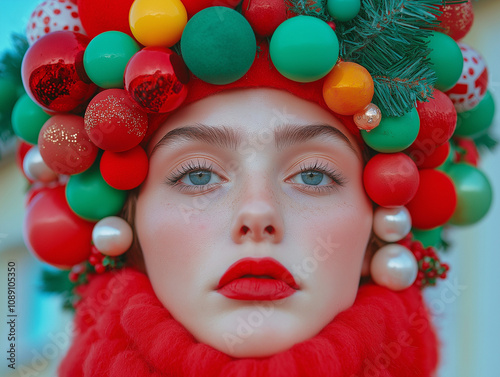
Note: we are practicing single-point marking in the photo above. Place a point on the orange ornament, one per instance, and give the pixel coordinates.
(348, 88)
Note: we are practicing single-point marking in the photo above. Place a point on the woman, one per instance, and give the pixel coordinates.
(255, 232)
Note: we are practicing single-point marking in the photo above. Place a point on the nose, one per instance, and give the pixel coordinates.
(258, 220)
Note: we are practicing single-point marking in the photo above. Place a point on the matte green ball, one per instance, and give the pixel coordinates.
(447, 60)
(106, 57)
(474, 194)
(393, 134)
(8, 94)
(304, 48)
(91, 198)
(218, 45)
(476, 121)
(343, 10)
(431, 237)
(28, 119)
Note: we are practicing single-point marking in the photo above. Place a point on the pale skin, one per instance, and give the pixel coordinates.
(251, 200)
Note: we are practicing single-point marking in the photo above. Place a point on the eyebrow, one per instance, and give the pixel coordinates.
(229, 138)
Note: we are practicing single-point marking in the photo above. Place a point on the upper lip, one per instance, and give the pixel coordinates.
(256, 267)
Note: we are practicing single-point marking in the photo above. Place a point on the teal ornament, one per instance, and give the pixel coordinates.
(446, 60)
(343, 10)
(304, 48)
(28, 119)
(393, 134)
(91, 198)
(475, 122)
(431, 237)
(474, 194)
(106, 56)
(218, 45)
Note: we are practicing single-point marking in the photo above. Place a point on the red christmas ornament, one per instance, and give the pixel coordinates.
(473, 83)
(456, 19)
(438, 119)
(124, 170)
(194, 6)
(156, 79)
(435, 200)
(114, 122)
(53, 74)
(391, 180)
(54, 233)
(98, 16)
(264, 15)
(432, 160)
(466, 151)
(65, 146)
(22, 148)
(53, 15)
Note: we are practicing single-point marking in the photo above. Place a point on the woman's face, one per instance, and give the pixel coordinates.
(253, 220)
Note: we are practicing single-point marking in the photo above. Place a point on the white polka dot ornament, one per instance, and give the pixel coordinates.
(53, 15)
(471, 87)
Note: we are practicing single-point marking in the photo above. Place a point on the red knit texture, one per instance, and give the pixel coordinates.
(123, 330)
(262, 74)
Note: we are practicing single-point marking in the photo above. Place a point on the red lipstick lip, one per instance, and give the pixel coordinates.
(257, 279)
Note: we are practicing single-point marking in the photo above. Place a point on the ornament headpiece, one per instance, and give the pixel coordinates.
(104, 75)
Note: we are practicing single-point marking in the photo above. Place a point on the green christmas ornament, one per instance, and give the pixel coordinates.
(431, 237)
(446, 60)
(218, 45)
(304, 48)
(393, 134)
(106, 56)
(476, 121)
(28, 119)
(91, 198)
(343, 10)
(474, 194)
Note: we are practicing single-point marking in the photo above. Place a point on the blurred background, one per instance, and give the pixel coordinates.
(465, 307)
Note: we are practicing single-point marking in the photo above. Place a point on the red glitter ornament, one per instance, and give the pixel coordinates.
(114, 122)
(98, 16)
(156, 78)
(53, 15)
(53, 74)
(391, 180)
(438, 119)
(65, 146)
(264, 15)
(456, 19)
(194, 6)
(54, 233)
(124, 170)
(435, 200)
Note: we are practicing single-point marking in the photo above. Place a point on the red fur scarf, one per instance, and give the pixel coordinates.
(123, 330)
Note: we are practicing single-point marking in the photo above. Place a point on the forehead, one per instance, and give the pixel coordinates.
(250, 113)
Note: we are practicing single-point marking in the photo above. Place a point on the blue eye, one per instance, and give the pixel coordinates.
(200, 177)
(312, 177)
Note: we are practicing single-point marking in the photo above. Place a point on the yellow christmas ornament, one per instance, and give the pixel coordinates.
(348, 88)
(157, 22)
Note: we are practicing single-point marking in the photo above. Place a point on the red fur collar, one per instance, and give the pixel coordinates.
(123, 330)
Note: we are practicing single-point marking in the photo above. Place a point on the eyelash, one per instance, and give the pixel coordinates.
(191, 166)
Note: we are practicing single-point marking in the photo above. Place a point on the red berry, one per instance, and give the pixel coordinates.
(99, 268)
(73, 276)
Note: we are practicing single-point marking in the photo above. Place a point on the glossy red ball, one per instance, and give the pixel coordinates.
(431, 160)
(98, 16)
(264, 15)
(114, 122)
(156, 78)
(435, 200)
(54, 233)
(391, 180)
(194, 6)
(53, 74)
(124, 170)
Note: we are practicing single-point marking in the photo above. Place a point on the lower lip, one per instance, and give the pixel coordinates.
(256, 289)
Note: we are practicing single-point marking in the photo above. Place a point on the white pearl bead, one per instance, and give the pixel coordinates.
(394, 266)
(391, 224)
(112, 236)
(35, 168)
